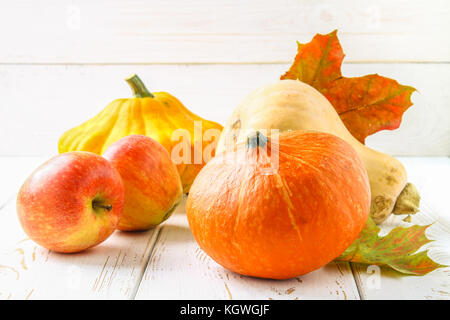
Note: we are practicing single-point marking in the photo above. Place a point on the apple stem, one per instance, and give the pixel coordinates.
(107, 207)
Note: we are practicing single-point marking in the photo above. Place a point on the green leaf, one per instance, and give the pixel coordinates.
(396, 250)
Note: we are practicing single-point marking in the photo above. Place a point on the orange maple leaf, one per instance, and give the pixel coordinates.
(365, 104)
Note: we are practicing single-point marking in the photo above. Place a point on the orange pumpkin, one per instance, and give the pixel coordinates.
(269, 218)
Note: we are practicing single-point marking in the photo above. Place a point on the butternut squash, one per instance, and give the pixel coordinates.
(293, 105)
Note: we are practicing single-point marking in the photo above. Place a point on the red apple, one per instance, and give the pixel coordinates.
(72, 202)
(152, 184)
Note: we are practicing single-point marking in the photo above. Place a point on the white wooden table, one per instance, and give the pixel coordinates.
(166, 263)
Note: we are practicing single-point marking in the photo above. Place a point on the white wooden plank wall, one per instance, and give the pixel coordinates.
(62, 61)
(196, 31)
(59, 97)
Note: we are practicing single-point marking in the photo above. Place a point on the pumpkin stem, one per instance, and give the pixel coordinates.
(138, 87)
(257, 140)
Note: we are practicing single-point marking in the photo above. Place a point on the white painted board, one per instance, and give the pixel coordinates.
(39, 103)
(431, 177)
(174, 31)
(179, 269)
(167, 263)
(111, 270)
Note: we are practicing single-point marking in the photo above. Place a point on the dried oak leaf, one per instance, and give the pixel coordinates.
(365, 104)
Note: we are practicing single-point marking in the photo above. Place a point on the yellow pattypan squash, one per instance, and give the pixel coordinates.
(157, 115)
